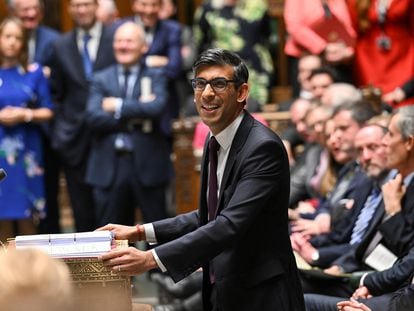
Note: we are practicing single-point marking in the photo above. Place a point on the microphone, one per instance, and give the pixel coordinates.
(2, 174)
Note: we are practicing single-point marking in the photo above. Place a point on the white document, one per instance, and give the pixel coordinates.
(67, 245)
(381, 258)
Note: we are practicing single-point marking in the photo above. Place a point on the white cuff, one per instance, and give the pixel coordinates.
(361, 281)
(158, 261)
(150, 234)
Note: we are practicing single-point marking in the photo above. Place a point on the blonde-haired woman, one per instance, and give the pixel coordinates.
(24, 103)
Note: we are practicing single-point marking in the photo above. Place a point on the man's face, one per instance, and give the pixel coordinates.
(83, 12)
(298, 112)
(147, 10)
(218, 109)
(371, 151)
(396, 148)
(319, 84)
(29, 12)
(128, 44)
(315, 125)
(343, 136)
(305, 67)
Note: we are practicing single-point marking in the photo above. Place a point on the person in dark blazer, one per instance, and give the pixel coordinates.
(386, 290)
(243, 246)
(164, 50)
(323, 249)
(70, 79)
(395, 231)
(40, 39)
(127, 141)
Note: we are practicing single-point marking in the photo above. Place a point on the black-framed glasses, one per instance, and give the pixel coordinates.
(218, 84)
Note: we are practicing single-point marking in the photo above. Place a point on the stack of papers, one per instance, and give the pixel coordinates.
(69, 245)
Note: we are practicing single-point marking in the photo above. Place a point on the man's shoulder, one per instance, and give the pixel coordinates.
(46, 31)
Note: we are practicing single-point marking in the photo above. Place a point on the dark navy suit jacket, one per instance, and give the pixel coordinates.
(45, 36)
(248, 243)
(70, 89)
(150, 149)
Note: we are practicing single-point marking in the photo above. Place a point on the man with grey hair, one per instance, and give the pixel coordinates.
(340, 93)
(394, 235)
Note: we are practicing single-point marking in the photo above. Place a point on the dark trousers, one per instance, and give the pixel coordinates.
(51, 224)
(81, 198)
(117, 203)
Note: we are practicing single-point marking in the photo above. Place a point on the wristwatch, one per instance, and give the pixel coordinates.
(315, 256)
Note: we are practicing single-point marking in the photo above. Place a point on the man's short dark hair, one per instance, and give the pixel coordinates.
(325, 70)
(221, 57)
(361, 111)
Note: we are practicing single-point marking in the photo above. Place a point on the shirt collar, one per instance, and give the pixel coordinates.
(225, 137)
(95, 31)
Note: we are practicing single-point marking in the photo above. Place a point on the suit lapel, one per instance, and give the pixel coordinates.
(236, 146)
(75, 56)
(203, 191)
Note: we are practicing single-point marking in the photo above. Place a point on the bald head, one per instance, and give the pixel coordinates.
(129, 44)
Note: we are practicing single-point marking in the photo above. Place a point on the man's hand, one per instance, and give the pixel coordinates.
(392, 192)
(129, 261)
(361, 292)
(334, 270)
(306, 227)
(109, 104)
(156, 61)
(122, 232)
(352, 305)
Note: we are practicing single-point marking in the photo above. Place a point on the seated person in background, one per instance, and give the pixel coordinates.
(347, 119)
(391, 289)
(314, 160)
(295, 134)
(320, 79)
(31, 280)
(365, 205)
(394, 231)
(340, 93)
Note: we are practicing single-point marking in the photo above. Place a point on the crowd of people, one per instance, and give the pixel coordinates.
(97, 103)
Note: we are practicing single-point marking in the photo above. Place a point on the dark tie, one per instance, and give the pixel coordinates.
(365, 215)
(213, 147)
(87, 62)
(124, 90)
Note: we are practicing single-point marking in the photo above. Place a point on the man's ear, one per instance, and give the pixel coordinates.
(409, 142)
(144, 49)
(243, 93)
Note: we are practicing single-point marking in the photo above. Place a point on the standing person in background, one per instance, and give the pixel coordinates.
(384, 51)
(124, 118)
(75, 57)
(241, 26)
(305, 39)
(107, 12)
(188, 54)
(24, 103)
(163, 38)
(239, 235)
(40, 40)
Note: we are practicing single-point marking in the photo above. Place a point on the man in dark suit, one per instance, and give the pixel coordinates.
(124, 116)
(239, 235)
(396, 231)
(75, 56)
(323, 249)
(40, 39)
(164, 50)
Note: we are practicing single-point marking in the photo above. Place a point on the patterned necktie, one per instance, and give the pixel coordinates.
(87, 62)
(213, 147)
(365, 215)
